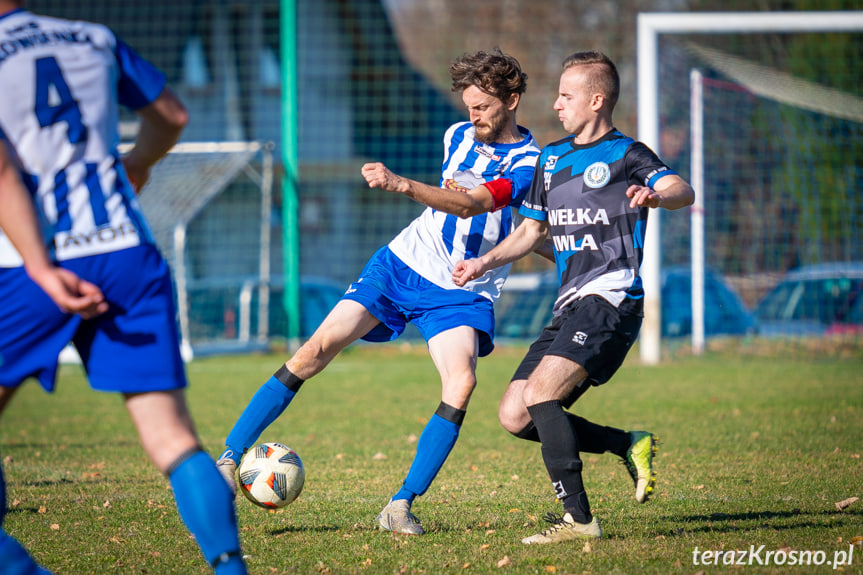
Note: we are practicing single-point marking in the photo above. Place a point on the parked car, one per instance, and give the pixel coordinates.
(525, 305)
(814, 300)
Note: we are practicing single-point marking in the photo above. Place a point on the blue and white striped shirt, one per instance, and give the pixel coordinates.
(62, 84)
(435, 241)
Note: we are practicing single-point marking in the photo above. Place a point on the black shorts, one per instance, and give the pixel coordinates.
(592, 333)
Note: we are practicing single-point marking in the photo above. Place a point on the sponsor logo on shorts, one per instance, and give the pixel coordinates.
(580, 337)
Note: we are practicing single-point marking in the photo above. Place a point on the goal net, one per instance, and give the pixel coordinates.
(773, 146)
(217, 241)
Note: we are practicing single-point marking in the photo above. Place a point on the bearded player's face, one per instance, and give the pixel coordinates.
(490, 116)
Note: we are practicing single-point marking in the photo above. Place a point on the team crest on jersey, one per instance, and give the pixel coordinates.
(550, 162)
(597, 175)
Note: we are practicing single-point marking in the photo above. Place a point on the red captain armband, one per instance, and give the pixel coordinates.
(501, 192)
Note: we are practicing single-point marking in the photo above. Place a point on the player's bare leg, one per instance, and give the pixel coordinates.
(454, 353)
(203, 500)
(6, 394)
(164, 425)
(346, 322)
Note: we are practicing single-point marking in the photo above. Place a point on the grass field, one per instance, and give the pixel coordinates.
(755, 451)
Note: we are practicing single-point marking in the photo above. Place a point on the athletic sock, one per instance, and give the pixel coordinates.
(434, 446)
(592, 437)
(560, 452)
(206, 506)
(14, 559)
(268, 403)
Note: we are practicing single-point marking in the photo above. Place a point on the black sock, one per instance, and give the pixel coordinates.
(578, 506)
(560, 452)
(592, 437)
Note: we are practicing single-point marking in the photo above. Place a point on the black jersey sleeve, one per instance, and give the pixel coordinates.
(643, 166)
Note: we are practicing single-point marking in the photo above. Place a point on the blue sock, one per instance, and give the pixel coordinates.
(434, 446)
(207, 508)
(14, 559)
(268, 403)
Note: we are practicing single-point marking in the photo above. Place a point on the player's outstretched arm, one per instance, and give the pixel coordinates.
(670, 192)
(527, 237)
(162, 122)
(19, 222)
(461, 203)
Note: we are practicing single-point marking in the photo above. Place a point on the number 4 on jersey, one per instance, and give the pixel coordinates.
(64, 107)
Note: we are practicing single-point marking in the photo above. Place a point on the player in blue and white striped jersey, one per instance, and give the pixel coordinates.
(487, 168)
(591, 192)
(62, 84)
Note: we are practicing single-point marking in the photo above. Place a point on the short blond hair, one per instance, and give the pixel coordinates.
(602, 76)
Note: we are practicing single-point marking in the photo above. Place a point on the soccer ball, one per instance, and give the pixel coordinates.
(271, 475)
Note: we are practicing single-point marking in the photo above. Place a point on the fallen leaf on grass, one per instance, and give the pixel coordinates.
(858, 540)
(465, 566)
(506, 561)
(55, 527)
(588, 548)
(42, 509)
(379, 456)
(840, 505)
(550, 569)
(484, 546)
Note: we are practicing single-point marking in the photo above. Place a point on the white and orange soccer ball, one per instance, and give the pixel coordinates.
(271, 475)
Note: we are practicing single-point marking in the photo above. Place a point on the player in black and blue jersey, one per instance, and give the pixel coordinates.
(591, 192)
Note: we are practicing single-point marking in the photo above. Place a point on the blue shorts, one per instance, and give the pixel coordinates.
(134, 347)
(395, 294)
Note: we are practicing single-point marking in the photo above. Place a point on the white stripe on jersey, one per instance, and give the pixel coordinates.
(59, 113)
(435, 241)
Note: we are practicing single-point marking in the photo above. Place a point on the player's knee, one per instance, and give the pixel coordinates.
(512, 417)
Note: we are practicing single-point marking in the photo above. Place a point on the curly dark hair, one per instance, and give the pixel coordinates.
(492, 72)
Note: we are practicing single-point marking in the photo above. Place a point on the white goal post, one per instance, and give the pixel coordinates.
(650, 27)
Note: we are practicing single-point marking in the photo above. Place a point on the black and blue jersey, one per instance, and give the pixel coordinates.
(598, 239)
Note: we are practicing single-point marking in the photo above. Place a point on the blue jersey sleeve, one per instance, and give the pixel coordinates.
(140, 82)
(521, 178)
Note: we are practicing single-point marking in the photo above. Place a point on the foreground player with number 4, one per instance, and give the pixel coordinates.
(62, 84)
(591, 191)
(488, 164)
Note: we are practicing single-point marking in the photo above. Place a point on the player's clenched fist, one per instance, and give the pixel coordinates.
(467, 270)
(378, 175)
